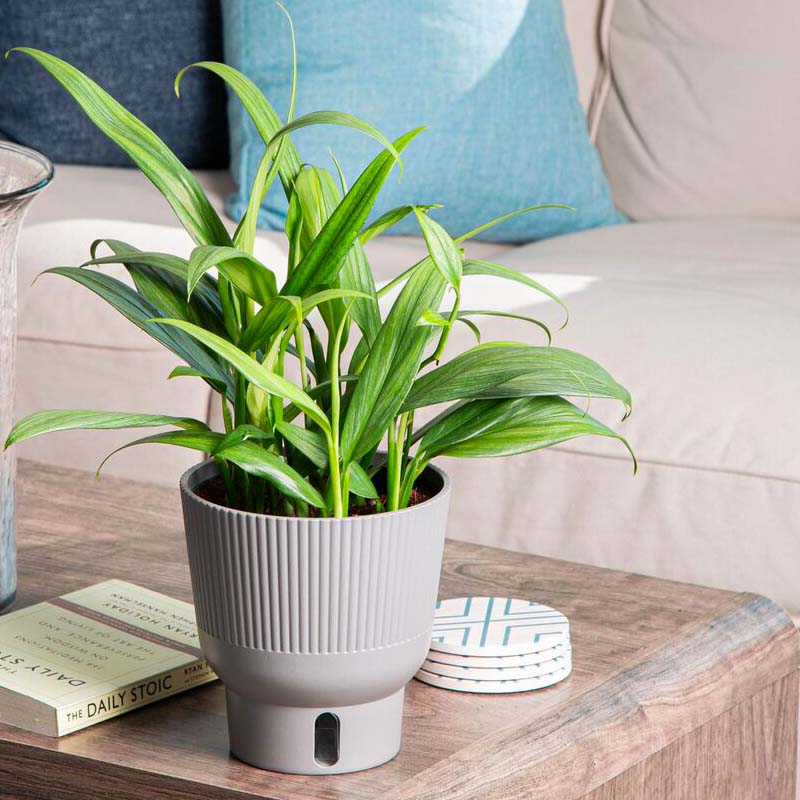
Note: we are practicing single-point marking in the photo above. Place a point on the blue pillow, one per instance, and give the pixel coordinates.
(133, 49)
(494, 82)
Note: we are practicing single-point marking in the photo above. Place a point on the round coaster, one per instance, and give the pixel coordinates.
(500, 662)
(493, 687)
(500, 674)
(496, 626)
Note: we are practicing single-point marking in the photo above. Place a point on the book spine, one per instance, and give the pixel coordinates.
(140, 693)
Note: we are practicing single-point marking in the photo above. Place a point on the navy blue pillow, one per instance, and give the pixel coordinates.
(133, 49)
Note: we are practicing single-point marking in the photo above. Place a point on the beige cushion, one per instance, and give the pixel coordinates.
(702, 110)
(700, 322)
(582, 20)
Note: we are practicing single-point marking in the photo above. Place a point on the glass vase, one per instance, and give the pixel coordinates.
(23, 173)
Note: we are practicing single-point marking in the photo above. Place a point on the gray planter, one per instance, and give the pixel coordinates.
(314, 625)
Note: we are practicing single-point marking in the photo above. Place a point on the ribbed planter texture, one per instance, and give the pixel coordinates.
(314, 625)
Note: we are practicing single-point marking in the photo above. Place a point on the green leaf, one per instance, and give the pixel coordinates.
(251, 457)
(141, 312)
(485, 227)
(360, 483)
(255, 460)
(241, 433)
(510, 369)
(357, 275)
(505, 315)
(187, 372)
(70, 419)
(148, 152)
(326, 295)
(340, 118)
(486, 429)
(310, 443)
(472, 326)
(244, 271)
(390, 218)
(266, 172)
(323, 261)
(392, 364)
(263, 115)
(431, 317)
(161, 279)
(265, 379)
(474, 266)
(442, 248)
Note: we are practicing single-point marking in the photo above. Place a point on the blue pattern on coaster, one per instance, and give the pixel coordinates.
(496, 626)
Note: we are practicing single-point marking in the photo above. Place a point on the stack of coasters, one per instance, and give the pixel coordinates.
(495, 645)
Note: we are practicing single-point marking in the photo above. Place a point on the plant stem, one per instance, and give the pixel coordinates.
(339, 501)
(392, 478)
(299, 340)
(226, 414)
(225, 473)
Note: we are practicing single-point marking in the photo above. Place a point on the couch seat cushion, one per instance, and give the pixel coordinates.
(700, 322)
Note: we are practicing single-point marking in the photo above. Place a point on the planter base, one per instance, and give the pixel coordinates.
(315, 741)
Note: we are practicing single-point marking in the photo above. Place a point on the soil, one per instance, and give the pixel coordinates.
(213, 491)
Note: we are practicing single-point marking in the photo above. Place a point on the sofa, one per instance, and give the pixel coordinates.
(693, 306)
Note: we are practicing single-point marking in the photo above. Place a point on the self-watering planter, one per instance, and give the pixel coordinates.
(314, 625)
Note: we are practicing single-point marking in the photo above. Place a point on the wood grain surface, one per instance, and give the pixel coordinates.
(674, 687)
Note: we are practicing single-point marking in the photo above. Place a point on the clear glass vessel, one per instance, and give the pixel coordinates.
(23, 173)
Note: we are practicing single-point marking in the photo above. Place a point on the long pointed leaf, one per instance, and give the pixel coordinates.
(340, 118)
(474, 266)
(321, 264)
(141, 313)
(178, 186)
(323, 260)
(392, 364)
(252, 458)
(244, 271)
(71, 419)
(442, 248)
(390, 218)
(256, 373)
(204, 307)
(360, 483)
(486, 225)
(258, 108)
(310, 443)
(510, 369)
(507, 428)
(471, 312)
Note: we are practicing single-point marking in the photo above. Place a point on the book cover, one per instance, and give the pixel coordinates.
(90, 655)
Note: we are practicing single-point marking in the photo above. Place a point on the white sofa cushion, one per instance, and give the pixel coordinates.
(702, 108)
(699, 321)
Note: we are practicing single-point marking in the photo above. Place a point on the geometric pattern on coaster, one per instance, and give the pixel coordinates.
(499, 674)
(493, 687)
(496, 626)
(500, 662)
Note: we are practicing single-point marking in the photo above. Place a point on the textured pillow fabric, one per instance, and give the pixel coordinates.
(702, 113)
(133, 49)
(493, 81)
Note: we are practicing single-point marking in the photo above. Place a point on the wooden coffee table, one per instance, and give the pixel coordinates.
(677, 692)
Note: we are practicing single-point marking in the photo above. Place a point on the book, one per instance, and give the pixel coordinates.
(91, 655)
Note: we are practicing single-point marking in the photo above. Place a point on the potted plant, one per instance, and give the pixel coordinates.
(314, 556)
